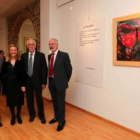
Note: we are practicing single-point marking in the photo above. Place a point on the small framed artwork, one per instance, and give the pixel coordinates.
(126, 40)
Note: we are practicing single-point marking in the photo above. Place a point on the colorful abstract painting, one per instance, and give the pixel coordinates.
(126, 31)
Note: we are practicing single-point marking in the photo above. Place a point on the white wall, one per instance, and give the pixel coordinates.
(45, 31)
(119, 99)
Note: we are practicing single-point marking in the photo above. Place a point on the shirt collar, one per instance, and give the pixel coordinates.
(55, 53)
(32, 53)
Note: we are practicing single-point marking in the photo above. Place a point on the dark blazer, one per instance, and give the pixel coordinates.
(39, 68)
(62, 70)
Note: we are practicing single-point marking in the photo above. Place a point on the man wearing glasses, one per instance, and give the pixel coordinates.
(36, 79)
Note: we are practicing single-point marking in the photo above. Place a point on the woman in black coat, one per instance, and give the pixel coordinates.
(13, 79)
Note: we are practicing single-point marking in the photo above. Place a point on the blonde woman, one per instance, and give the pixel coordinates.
(13, 78)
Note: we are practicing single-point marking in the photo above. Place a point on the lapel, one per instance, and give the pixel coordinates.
(15, 65)
(57, 59)
(26, 61)
(49, 57)
(35, 60)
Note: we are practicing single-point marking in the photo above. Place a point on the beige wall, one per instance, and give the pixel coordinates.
(3, 35)
(26, 31)
(44, 17)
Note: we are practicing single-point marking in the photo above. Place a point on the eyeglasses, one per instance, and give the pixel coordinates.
(31, 44)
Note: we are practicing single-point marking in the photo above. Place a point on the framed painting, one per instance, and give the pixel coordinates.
(126, 40)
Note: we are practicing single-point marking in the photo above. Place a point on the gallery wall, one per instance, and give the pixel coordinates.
(44, 36)
(119, 98)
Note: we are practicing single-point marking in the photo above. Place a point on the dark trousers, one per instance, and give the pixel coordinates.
(58, 99)
(30, 91)
(0, 87)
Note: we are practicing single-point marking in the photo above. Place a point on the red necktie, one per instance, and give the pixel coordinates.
(51, 65)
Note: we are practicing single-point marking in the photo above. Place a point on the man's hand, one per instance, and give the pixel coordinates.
(43, 86)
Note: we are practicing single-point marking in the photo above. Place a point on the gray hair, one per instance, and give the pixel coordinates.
(54, 40)
(30, 39)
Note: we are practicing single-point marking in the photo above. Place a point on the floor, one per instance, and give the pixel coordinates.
(79, 126)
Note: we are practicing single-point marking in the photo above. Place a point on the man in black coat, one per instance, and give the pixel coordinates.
(36, 79)
(60, 71)
(2, 60)
(1, 63)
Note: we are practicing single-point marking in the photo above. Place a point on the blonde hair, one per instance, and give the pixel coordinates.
(8, 58)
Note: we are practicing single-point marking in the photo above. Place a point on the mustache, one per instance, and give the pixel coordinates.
(51, 47)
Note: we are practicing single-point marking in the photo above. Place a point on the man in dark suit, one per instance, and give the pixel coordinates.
(2, 60)
(60, 71)
(36, 73)
(1, 64)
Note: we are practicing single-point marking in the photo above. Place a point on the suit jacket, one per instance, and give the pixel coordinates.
(1, 63)
(2, 60)
(39, 68)
(62, 70)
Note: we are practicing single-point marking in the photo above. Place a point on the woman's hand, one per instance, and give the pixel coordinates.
(23, 89)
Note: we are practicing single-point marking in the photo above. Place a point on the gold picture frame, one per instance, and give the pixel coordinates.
(126, 40)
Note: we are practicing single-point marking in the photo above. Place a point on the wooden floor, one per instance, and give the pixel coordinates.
(80, 126)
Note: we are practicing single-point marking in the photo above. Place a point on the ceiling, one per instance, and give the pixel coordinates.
(9, 7)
